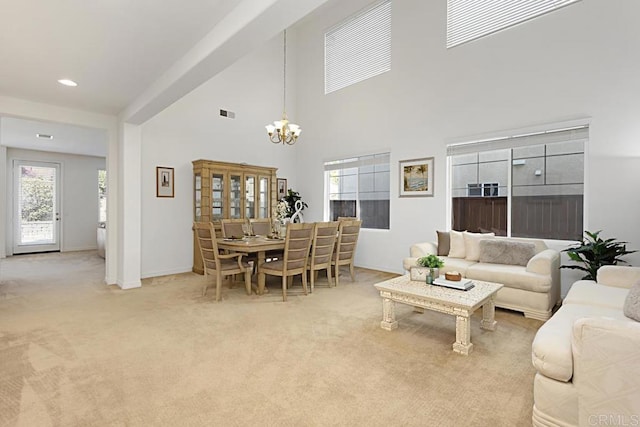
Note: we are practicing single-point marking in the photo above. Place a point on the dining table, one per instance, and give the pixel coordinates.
(258, 245)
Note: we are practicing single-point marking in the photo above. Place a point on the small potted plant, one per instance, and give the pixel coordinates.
(434, 264)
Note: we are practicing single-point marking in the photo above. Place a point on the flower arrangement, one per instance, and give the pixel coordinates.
(281, 211)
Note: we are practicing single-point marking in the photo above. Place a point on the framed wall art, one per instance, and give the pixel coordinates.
(416, 177)
(164, 182)
(282, 188)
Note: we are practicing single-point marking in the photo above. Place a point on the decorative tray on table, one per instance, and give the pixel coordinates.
(272, 237)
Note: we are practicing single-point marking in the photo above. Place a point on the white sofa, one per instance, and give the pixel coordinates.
(587, 356)
(533, 289)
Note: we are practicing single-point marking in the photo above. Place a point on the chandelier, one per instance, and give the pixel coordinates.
(281, 131)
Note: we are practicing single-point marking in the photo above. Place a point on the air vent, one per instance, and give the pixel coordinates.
(44, 136)
(228, 114)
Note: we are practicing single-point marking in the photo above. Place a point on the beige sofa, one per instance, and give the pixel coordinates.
(533, 289)
(587, 356)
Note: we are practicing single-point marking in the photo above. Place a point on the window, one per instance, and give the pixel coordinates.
(471, 19)
(359, 187)
(358, 48)
(522, 185)
(102, 195)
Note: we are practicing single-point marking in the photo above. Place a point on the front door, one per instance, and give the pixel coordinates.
(36, 207)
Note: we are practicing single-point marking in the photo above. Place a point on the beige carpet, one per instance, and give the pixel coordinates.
(74, 352)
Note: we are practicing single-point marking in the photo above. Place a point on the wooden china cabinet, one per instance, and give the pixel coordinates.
(230, 190)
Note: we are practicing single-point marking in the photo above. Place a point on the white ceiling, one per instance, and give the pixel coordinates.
(131, 58)
(113, 49)
(21, 133)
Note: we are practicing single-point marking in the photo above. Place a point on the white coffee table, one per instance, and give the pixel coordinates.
(457, 303)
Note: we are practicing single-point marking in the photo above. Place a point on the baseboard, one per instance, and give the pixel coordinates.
(166, 272)
(376, 268)
(132, 284)
(79, 249)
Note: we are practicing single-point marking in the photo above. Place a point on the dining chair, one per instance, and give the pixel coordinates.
(346, 218)
(345, 252)
(322, 246)
(261, 226)
(215, 263)
(232, 227)
(295, 258)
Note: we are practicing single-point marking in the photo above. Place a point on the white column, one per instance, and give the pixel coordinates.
(111, 243)
(4, 214)
(129, 206)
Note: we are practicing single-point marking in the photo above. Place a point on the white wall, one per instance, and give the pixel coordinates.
(79, 186)
(192, 129)
(580, 61)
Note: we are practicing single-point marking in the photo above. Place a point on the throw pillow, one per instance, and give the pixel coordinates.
(632, 303)
(499, 251)
(443, 243)
(456, 243)
(472, 244)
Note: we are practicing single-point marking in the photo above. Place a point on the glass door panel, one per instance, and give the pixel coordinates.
(37, 204)
(197, 198)
(235, 196)
(250, 196)
(263, 197)
(217, 197)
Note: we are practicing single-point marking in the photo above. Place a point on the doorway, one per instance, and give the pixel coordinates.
(36, 207)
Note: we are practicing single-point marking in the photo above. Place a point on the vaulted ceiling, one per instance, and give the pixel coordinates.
(131, 58)
(138, 56)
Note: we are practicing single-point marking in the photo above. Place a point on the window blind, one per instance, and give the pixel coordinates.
(514, 141)
(471, 19)
(358, 48)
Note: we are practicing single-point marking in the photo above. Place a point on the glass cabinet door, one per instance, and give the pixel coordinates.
(217, 196)
(197, 197)
(249, 196)
(263, 197)
(235, 196)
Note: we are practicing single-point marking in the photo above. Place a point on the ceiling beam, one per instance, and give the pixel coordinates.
(244, 29)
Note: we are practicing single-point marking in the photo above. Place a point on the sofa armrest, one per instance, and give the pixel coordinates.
(618, 276)
(606, 368)
(544, 262)
(419, 250)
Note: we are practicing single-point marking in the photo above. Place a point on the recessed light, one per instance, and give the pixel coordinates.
(44, 136)
(67, 82)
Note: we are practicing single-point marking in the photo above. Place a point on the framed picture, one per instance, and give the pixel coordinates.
(282, 188)
(164, 181)
(416, 177)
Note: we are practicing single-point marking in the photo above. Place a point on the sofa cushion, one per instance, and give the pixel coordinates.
(513, 276)
(472, 244)
(632, 303)
(457, 248)
(551, 349)
(443, 243)
(456, 264)
(498, 251)
(591, 293)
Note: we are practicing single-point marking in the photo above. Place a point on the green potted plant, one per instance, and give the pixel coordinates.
(291, 198)
(434, 264)
(594, 252)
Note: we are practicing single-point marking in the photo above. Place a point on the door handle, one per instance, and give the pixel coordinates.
(57, 216)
